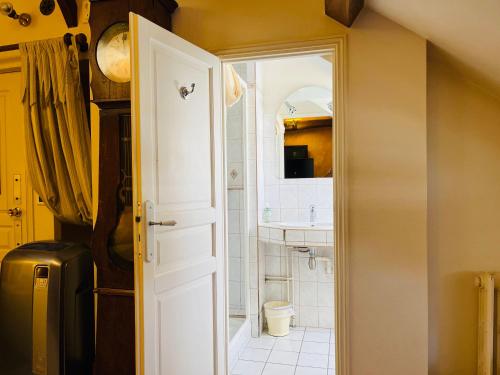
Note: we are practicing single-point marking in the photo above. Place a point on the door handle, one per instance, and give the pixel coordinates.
(168, 223)
(13, 212)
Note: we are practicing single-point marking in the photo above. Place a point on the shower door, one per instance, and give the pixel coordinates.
(179, 235)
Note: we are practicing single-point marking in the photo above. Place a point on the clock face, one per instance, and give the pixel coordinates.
(113, 53)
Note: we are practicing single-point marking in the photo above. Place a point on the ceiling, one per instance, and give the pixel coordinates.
(467, 30)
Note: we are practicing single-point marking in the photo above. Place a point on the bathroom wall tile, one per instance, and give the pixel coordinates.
(324, 215)
(254, 322)
(296, 295)
(276, 234)
(309, 293)
(234, 244)
(322, 273)
(272, 196)
(269, 126)
(235, 173)
(234, 292)
(251, 176)
(289, 196)
(273, 265)
(254, 306)
(273, 249)
(289, 215)
(264, 233)
(243, 221)
(251, 148)
(315, 236)
(233, 199)
(307, 196)
(325, 294)
(294, 235)
(252, 248)
(329, 237)
(305, 273)
(233, 221)
(269, 149)
(325, 317)
(234, 269)
(270, 175)
(308, 316)
(273, 291)
(234, 151)
(253, 275)
(325, 196)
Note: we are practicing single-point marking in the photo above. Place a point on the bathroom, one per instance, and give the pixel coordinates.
(280, 214)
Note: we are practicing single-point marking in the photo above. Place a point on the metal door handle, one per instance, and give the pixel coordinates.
(168, 223)
(13, 212)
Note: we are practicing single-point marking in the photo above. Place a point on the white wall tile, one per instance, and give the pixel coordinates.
(234, 244)
(233, 221)
(308, 316)
(325, 317)
(325, 294)
(307, 196)
(289, 196)
(294, 235)
(234, 269)
(233, 199)
(309, 293)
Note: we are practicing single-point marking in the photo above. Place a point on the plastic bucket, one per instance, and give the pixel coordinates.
(278, 314)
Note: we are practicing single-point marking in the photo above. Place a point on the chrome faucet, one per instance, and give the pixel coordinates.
(312, 214)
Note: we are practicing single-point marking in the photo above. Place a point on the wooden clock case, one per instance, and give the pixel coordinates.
(115, 324)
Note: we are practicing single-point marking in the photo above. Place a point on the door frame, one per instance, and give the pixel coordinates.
(337, 47)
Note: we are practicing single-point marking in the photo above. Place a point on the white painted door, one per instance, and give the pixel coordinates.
(12, 164)
(179, 265)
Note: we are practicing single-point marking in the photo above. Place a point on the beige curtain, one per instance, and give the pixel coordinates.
(232, 84)
(57, 131)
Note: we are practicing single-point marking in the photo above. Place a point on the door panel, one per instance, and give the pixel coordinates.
(12, 164)
(180, 293)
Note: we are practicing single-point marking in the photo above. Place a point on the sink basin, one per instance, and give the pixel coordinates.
(306, 225)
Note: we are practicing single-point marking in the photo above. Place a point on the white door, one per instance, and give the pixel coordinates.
(180, 293)
(13, 196)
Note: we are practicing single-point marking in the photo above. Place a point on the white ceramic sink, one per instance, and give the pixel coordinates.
(304, 225)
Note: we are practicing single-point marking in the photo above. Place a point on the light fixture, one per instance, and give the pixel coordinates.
(7, 9)
(291, 108)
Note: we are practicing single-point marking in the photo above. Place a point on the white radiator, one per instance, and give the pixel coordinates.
(486, 324)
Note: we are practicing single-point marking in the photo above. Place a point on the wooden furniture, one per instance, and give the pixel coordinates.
(112, 244)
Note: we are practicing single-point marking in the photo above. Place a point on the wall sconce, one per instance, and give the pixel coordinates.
(7, 9)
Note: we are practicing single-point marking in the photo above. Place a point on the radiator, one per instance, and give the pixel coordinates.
(486, 324)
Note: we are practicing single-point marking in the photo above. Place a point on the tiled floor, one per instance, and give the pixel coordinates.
(305, 351)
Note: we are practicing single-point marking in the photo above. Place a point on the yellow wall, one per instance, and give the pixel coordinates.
(464, 210)
(386, 161)
(386, 136)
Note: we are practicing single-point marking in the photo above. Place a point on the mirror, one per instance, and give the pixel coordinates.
(305, 120)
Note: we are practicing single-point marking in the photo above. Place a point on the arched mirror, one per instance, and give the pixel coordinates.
(305, 121)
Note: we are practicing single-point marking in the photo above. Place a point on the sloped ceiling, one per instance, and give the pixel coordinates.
(466, 30)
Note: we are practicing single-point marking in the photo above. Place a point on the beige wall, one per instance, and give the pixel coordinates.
(464, 210)
(386, 135)
(387, 161)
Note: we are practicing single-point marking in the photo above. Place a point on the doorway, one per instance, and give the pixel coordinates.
(287, 219)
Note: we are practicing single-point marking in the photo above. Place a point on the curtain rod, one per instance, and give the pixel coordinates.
(81, 41)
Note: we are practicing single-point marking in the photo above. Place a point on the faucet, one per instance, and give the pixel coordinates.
(312, 214)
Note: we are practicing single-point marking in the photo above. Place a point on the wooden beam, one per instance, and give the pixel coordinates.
(69, 10)
(344, 11)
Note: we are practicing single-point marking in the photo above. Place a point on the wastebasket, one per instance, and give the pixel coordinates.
(278, 314)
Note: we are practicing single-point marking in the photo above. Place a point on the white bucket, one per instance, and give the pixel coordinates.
(278, 314)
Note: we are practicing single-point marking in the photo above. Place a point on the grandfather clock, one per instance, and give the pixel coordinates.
(112, 240)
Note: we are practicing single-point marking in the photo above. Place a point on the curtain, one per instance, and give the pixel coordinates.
(56, 129)
(232, 84)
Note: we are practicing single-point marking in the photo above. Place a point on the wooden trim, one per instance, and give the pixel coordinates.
(337, 46)
(10, 70)
(69, 10)
(344, 11)
(114, 292)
